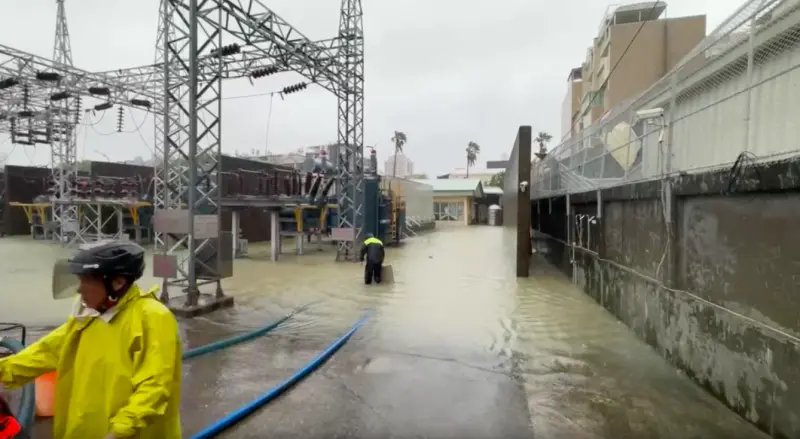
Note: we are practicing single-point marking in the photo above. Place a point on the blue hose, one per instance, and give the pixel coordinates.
(27, 404)
(222, 344)
(234, 418)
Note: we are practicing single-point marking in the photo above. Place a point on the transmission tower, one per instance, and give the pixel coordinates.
(350, 182)
(64, 138)
(194, 62)
(182, 88)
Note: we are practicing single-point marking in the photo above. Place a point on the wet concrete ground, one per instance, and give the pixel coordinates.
(456, 348)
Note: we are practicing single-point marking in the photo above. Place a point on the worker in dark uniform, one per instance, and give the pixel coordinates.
(372, 249)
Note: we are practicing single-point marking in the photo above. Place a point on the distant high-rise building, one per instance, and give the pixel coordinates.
(405, 167)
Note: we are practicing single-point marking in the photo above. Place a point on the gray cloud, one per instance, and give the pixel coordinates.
(444, 72)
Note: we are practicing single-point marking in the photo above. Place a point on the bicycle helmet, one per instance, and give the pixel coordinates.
(109, 261)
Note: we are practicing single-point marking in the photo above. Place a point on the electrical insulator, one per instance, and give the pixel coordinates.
(294, 88)
(120, 119)
(99, 91)
(266, 71)
(140, 103)
(230, 49)
(78, 106)
(8, 83)
(48, 76)
(26, 94)
(60, 96)
(103, 106)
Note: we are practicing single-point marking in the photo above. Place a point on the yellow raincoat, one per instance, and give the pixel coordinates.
(118, 373)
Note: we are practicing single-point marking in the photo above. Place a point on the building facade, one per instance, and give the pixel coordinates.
(639, 55)
(455, 201)
(484, 175)
(572, 103)
(405, 167)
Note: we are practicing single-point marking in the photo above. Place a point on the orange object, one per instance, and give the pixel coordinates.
(46, 394)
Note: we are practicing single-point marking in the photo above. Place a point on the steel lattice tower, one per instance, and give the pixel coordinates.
(350, 182)
(64, 138)
(182, 90)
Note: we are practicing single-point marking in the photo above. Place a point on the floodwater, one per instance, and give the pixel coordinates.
(457, 347)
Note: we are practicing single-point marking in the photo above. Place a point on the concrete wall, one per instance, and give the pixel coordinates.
(706, 275)
(22, 185)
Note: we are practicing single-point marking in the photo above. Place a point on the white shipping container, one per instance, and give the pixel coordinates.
(417, 196)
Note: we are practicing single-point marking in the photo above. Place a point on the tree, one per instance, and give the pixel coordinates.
(498, 180)
(399, 139)
(473, 150)
(542, 139)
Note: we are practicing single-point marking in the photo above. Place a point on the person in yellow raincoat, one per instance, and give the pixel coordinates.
(118, 357)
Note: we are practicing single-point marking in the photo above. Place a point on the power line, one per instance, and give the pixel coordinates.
(611, 72)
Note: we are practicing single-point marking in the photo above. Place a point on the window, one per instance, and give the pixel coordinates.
(448, 211)
(599, 98)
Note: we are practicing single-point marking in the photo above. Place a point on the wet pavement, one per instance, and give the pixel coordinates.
(456, 348)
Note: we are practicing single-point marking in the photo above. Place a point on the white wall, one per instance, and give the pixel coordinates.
(418, 197)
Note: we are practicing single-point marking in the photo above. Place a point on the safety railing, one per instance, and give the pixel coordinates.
(734, 93)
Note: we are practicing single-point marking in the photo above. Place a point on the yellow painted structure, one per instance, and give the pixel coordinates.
(42, 208)
(323, 215)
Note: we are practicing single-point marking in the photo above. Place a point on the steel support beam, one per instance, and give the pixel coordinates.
(63, 150)
(350, 162)
(191, 131)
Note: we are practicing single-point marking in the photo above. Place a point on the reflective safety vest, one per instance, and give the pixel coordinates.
(373, 240)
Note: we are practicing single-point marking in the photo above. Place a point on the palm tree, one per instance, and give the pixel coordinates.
(542, 139)
(399, 139)
(473, 149)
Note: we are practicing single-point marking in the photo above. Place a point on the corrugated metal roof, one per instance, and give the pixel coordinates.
(448, 185)
(476, 171)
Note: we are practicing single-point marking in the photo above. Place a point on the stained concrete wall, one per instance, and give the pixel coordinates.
(706, 272)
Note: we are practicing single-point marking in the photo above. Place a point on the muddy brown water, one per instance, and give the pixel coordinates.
(457, 347)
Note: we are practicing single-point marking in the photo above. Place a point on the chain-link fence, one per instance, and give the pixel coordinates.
(737, 92)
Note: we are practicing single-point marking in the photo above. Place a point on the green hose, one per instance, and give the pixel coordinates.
(27, 404)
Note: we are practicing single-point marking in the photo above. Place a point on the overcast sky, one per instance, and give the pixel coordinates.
(443, 72)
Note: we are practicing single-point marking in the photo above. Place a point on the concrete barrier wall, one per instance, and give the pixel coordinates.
(709, 280)
(23, 184)
(516, 202)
